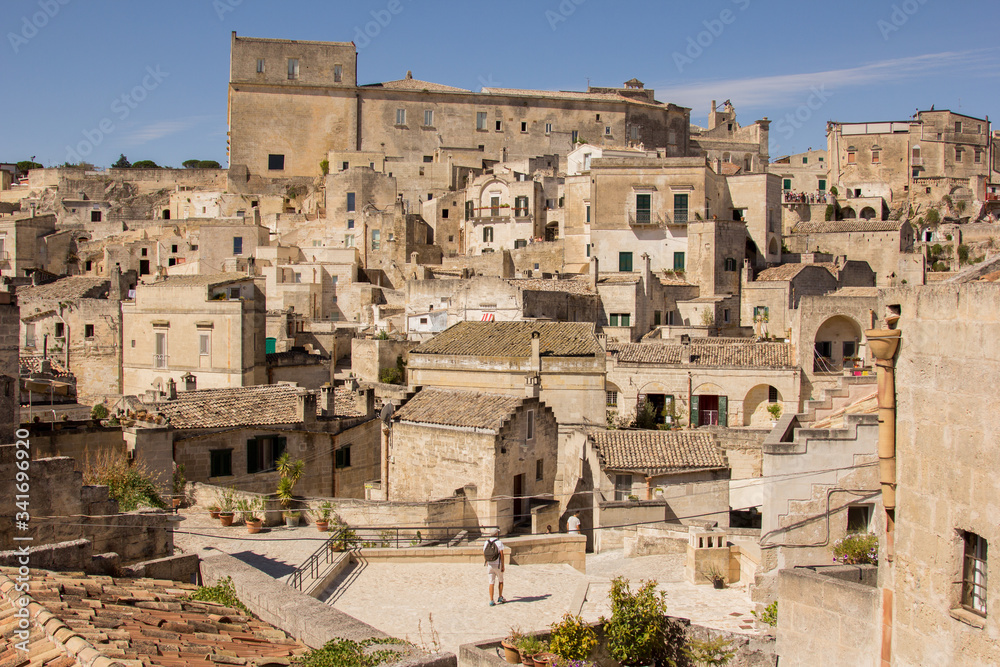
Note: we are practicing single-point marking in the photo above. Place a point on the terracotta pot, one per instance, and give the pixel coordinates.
(176, 502)
(510, 653)
(226, 518)
(322, 526)
(253, 527)
(526, 660)
(545, 659)
(718, 583)
(214, 513)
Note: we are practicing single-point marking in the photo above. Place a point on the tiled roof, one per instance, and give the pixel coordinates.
(66, 289)
(618, 278)
(199, 280)
(736, 352)
(855, 291)
(840, 226)
(513, 339)
(543, 285)
(243, 406)
(789, 271)
(658, 452)
(471, 409)
(33, 364)
(415, 84)
(570, 95)
(729, 168)
(113, 621)
(672, 279)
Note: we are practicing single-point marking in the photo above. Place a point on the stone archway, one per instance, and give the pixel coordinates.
(847, 213)
(772, 248)
(755, 405)
(867, 213)
(837, 339)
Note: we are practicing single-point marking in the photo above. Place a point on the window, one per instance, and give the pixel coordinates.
(400, 116)
(87, 266)
(772, 394)
(680, 209)
(376, 239)
(60, 330)
(487, 235)
(978, 158)
(858, 516)
(495, 206)
(480, 120)
(520, 243)
(589, 246)
(444, 213)
(349, 241)
(539, 470)
(529, 432)
(160, 350)
(275, 162)
(342, 457)
(204, 344)
(293, 68)
(350, 223)
(88, 330)
(29, 335)
(760, 313)
(598, 119)
(524, 127)
(852, 156)
(428, 118)
(623, 487)
(338, 73)
(974, 574)
(237, 245)
(344, 166)
(958, 153)
(730, 264)
(822, 185)
(612, 399)
(876, 156)
(633, 133)
(607, 131)
(850, 348)
(263, 451)
(619, 320)
(624, 262)
(786, 184)
(548, 128)
(95, 216)
(350, 202)
(575, 136)
(805, 160)
(499, 126)
(588, 212)
(657, 318)
(220, 463)
(725, 316)
(643, 206)
(520, 206)
(260, 65)
(958, 127)
(470, 210)
(678, 261)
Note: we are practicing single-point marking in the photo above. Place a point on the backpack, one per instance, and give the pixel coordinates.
(491, 552)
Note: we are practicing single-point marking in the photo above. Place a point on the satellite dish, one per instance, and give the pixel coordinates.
(386, 413)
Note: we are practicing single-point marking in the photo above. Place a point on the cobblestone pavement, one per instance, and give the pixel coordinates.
(277, 550)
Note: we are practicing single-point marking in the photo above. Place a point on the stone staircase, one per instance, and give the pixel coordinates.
(849, 391)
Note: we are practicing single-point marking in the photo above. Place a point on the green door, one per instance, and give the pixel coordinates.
(694, 412)
(723, 411)
(270, 345)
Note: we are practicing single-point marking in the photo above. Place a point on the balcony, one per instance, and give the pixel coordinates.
(917, 161)
(159, 361)
(645, 219)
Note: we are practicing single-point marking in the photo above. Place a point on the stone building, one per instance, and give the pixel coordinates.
(78, 321)
(501, 213)
(564, 360)
(22, 244)
(500, 450)
(279, 127)
(885, 244)
(732, 148)
(203, 330)
(707, 381)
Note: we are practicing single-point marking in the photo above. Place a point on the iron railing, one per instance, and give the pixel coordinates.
(380, 537)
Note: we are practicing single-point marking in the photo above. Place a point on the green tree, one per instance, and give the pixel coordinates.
(190, 164)
(145, 164)
(637, 631)
(209, 164)
(122, 162)
(24, 166)
(932, 217)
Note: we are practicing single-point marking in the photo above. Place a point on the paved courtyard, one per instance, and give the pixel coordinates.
(448, 603)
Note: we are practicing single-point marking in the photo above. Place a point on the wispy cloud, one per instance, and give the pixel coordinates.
(785, 89)
(153, 131)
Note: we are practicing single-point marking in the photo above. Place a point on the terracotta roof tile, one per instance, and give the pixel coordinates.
(789, 271)
(210, 280)
(471, 409)
(415, 84)
(513, 339)
(571, 286)
(571, 95)
(658, 452)
(840, 226)
(734, 352)
(66, 289)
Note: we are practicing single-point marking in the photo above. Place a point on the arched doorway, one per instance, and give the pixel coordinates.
(709, 407)
(847, 213)
(836, 344)
(867, 213)
(756, 402)
(662, 401)
(772, 248)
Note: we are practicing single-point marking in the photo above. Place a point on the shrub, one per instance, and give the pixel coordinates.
(390, 376)
(833, 190)
(223, 593)
(963, 253)
(830, 212)
(708, 317)
(349, 653)
(572, 638)
(99, 411)
(131, 484)
(856, 549)
(637, 630)
(645, 416)
(710, 652)
(145, 164)
(932, 217)
(774, 409)
(324, 166)
(769, 616)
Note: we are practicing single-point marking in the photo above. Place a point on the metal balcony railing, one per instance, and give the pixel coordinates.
(159, 361)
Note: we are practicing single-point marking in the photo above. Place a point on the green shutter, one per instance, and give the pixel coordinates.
(270, 345)
(338, 458)
(694, 411)
(723, 411)
(252, 455)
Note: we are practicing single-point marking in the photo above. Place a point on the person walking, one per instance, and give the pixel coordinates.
(493, 553)
(573, 524)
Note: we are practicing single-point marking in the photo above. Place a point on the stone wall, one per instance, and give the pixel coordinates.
(9, 371)
(830, 614)
(370, 356)
(81, 441)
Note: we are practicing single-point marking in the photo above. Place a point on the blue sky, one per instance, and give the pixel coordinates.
(66, 64)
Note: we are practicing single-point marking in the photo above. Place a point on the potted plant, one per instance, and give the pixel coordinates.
(250, 510)
(774, 409)
(344, 538)
(715, 575)
(509, 644)
(290, 472)
(227, 505)
(528, 647)
(179, 483)
(214, 510)
(572, 638)
(323, 522)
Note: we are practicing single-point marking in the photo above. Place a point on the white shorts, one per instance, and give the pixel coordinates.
(495, 574)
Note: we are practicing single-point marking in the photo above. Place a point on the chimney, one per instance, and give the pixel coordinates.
(647, 276)
(190, 382)
(536, 354)
(305, 406)
(685, 349)
(115, 293)
(531, 386)
(171, 390)
(364, 401)
(594, 266)
(326, 400)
